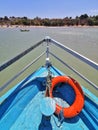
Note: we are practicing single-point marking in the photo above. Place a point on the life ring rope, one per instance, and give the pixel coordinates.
(77, 105)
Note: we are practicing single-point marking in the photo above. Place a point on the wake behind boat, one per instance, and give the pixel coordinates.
(48, 99)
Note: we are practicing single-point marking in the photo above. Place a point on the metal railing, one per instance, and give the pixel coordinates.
(18, 74)
(48, 40)
(11, 61)
(76, 54)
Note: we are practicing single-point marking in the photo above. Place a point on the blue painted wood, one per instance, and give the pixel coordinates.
(20, 108)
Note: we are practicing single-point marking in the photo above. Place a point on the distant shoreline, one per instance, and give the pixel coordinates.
(21, 26)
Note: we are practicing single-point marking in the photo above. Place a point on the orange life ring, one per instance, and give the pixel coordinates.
(77, 105)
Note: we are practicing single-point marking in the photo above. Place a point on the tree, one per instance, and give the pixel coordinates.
(90, 22)
(84, 16)
(96, 17)
(26, 22)
(46, 22)
(37, 21)
(83, 19)
(6, 18)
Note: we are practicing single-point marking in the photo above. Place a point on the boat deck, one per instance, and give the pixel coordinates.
(19, 109)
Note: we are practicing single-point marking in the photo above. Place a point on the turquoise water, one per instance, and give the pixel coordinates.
(81, 39)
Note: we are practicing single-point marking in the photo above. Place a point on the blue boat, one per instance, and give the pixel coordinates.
(48, 99)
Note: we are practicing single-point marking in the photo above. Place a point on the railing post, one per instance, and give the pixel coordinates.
(47, 39)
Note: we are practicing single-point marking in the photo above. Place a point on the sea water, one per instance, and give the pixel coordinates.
(84, 40)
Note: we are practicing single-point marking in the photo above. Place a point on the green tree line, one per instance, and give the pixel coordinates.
(82, 20)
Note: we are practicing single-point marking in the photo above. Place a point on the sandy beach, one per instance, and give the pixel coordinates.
(21, 26)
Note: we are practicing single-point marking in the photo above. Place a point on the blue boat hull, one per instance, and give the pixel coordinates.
(19, 109)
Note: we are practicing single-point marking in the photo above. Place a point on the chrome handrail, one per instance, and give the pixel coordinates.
(11, 61)
(76, 54)
(75, 71)
(19, 73)
(48, 40)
